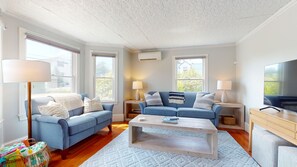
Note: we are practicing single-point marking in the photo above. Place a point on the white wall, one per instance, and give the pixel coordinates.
(275, 41)
(158, 75)
(13, 128)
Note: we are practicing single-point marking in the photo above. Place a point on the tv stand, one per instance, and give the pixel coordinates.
(270, 107)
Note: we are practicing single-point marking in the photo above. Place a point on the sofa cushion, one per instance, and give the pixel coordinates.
(195, 113)
(92, 105)
(100, 116)
(80, 123)
(204, 100)
(153, 99)
(54, 109)
(160, 110)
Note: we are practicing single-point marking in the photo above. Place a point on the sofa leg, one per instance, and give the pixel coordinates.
(64, 154)
(110, 128)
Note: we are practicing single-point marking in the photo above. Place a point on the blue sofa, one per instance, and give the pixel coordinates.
(182, 110)
(61, 133)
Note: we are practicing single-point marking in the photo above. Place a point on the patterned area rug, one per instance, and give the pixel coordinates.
(118, 154)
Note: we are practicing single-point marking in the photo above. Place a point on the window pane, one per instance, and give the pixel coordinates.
(105, 78)
(189, 68)
(189, 85)
(104, 66)
(271, 88)
(104, 89)
(61, 67)
(57, 84)
(60, 60)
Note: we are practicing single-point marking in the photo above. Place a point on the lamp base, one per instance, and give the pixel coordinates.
(224, 97)
(137, 97)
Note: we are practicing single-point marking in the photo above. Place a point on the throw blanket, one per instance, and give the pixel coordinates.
(69, 100)
(176, 97)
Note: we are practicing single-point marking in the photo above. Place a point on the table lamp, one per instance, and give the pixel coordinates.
(224, 85)
(137, 85)
(26, 71)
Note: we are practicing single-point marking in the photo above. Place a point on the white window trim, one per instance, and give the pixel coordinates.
(174, 87)
(93, 74)
(23, 86)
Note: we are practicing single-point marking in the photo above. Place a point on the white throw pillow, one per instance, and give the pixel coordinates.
(92, 105)
(153, 100)
(54, 109)
(204, 100)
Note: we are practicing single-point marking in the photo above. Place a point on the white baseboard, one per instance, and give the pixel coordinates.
(117, 117)
(246, 126)
(15, 141)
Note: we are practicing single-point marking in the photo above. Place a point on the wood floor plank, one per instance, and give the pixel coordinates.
(83, 150)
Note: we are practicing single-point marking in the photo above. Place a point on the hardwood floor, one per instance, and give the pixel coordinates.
(83, 150)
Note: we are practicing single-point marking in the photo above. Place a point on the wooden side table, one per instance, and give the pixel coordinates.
(131, 109)
(238, 113)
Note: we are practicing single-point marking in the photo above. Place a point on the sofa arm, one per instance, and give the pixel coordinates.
(108, 106)
(54, 131)
(142, 105)
(217, 109)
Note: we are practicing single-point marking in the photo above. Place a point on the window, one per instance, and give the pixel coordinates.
(272, 79)
(190, 74)
(105, 77)
(63, 79)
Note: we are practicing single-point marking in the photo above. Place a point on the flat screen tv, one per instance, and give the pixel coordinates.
(280, 85)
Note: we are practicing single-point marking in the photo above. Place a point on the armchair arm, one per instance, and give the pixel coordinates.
(54, 131)
(108, 106)
(142, 105)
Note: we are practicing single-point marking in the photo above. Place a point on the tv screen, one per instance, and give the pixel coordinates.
(280, 85)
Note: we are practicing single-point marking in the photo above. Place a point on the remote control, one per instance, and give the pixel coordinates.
(173, 118)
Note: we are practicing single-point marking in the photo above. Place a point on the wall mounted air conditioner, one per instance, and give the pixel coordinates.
(149, 56)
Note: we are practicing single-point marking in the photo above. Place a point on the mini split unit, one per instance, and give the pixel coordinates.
(149, 56)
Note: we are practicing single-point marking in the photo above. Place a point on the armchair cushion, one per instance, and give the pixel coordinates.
(80, 123)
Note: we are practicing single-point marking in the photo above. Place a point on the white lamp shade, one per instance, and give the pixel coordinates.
(137, 85)
(25, 71)
(224, 85)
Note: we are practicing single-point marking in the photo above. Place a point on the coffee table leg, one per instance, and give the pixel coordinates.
(134, 132)
(212, 140)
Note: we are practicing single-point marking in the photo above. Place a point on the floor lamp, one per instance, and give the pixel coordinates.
(26, 71)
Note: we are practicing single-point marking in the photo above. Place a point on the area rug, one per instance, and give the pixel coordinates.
(118, 154)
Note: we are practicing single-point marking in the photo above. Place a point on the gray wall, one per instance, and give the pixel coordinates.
(13, 128)
(158, 75)
(274, 42)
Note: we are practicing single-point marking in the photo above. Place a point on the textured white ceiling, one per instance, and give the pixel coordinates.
(144, 24)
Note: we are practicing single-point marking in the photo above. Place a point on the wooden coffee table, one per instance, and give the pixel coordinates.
(197, 146)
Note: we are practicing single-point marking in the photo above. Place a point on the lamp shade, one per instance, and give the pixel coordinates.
(224, 85)
(137, 85)
(25, 71)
